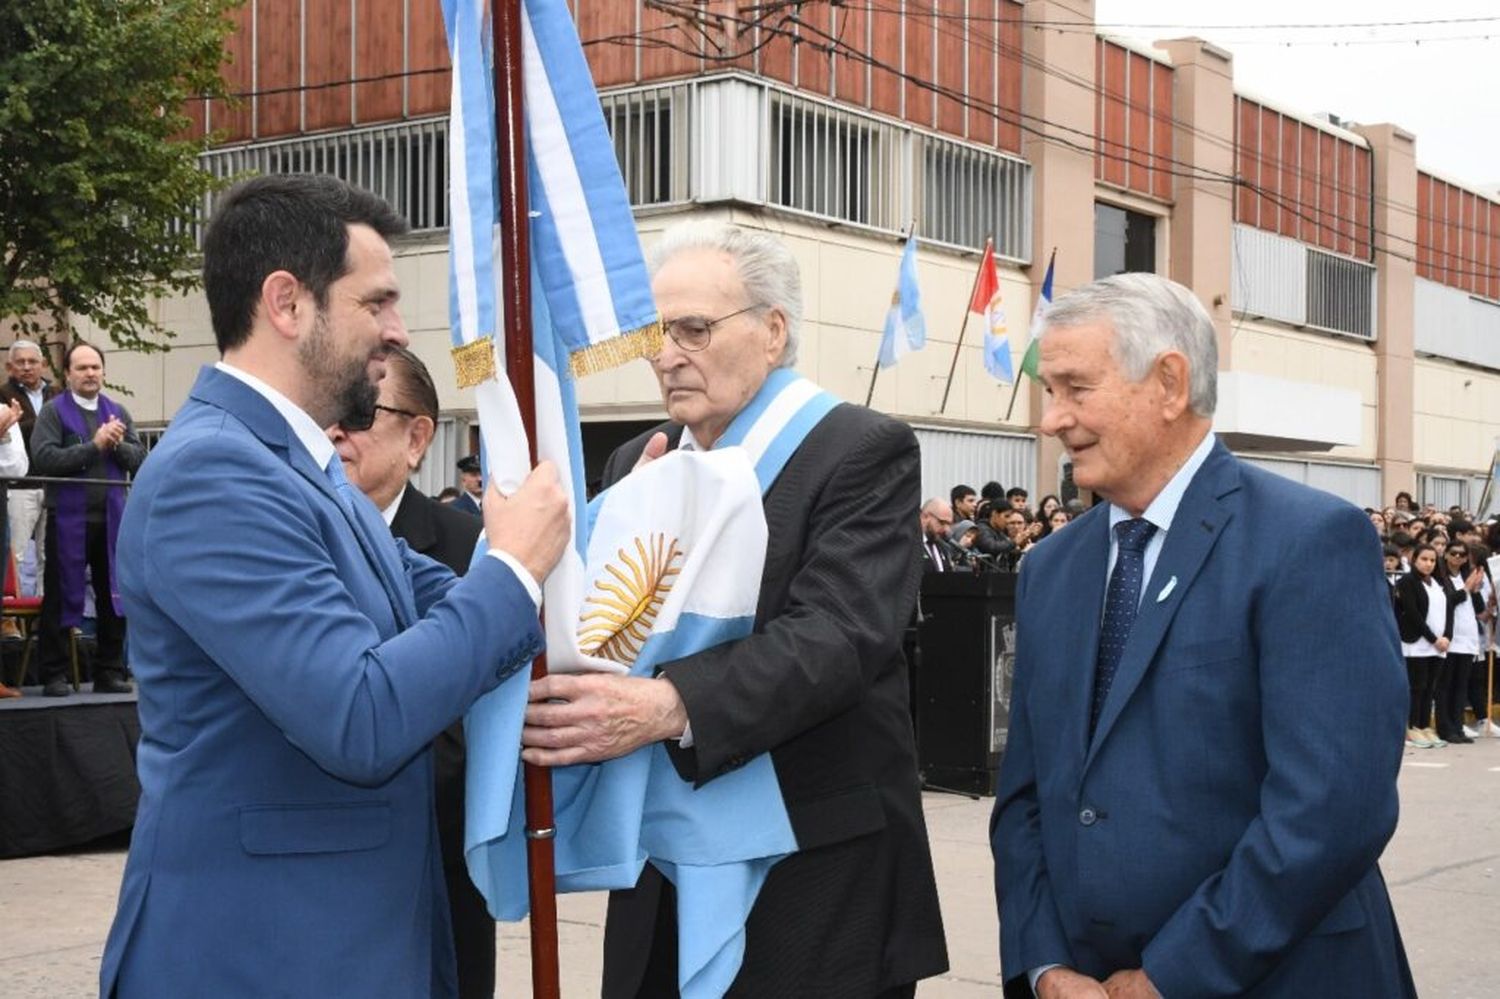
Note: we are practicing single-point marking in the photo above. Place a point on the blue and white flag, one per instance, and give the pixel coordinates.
(675, 559)
(591, 297)
(905, 329)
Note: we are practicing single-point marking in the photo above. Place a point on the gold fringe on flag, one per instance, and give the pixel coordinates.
(474, 362)
(617, 350)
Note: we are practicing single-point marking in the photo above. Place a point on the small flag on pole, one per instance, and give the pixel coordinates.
(905, 329)
(987, 303)
(1043, 303)
(1490, 497)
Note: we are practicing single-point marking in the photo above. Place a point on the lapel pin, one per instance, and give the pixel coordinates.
(1166, 591)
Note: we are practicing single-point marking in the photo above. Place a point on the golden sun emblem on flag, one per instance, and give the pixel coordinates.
(622, 605)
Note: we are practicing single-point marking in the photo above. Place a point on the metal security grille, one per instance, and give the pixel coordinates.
(649, 128)
(406, 164)
(822, 161)
(971, 194)
(1340, 294)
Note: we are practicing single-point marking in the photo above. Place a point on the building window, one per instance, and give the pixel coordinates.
(820, 161)
(405, 163)
(1340, 294)
(640, 123)
(1124, 241)
(970, 195)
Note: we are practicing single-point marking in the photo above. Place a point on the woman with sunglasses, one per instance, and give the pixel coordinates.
(1424, 617)
(1462, 581)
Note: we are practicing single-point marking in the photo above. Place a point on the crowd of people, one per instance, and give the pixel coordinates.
(61, 535)
(1442, 587)
(1443, 595)
(990, 530)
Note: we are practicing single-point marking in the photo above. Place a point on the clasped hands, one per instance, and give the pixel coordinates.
(1065, 983)
(110, 433)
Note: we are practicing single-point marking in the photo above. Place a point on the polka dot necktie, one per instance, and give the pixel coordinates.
(1121, 601)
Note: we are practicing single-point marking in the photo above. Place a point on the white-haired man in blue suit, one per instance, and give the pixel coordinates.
(296, 661)
(1176, 815)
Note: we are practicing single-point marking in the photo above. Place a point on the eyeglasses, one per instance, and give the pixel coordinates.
(1460, 553)
(692, 333)
(366, 420)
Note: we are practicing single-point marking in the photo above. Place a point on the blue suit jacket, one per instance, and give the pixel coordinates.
(292, 675)
(1222, 826)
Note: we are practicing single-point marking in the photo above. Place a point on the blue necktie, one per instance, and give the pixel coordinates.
(1121, 601)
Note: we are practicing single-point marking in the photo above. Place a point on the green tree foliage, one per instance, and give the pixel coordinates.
(96, 177)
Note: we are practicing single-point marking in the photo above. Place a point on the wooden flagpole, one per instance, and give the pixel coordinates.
(515, 293)
(963, 323)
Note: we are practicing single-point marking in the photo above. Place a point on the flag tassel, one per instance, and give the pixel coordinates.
(963, 325)
(515, 291)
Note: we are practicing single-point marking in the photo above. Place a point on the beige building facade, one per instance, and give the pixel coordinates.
(1354, 291)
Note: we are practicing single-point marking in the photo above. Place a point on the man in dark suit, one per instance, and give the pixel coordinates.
(29, 390)
(1175, 814)
(470, 485)
(820, 684)
(936, 518)
(381, 449)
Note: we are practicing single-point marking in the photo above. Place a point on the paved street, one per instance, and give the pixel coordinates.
(1442, 867)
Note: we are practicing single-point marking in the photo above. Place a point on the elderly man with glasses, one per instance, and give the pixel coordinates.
(820, 685)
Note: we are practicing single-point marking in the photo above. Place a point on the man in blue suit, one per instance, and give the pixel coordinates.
(296, 661)
(1206, 718)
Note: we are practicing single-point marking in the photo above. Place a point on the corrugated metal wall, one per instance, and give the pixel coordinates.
(1359, 484)
(950, 457)
(1453, 324)
(1268, 275)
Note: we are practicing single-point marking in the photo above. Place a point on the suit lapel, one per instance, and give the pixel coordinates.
(1196, 527)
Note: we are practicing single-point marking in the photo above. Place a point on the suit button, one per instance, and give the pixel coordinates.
(1087, 817)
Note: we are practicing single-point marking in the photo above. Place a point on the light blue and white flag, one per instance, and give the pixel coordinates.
(591, 297)
(905, 329)
(675, 558)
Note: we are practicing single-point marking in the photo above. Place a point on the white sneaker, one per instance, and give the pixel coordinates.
(1489, 728)
(1472, 731)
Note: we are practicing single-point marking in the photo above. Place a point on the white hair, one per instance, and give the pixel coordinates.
(766, 268)
(26, 345)
(1149, 315)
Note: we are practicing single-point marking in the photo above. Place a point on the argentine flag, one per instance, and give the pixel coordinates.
(905, 329)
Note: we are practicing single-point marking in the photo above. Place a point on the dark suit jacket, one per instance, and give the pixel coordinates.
(448, 536)
(466, 504)
(942, 563)
(821, 685)
(13, 389)
(1216, 829)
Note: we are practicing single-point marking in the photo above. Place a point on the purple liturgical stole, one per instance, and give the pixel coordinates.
(70, 507)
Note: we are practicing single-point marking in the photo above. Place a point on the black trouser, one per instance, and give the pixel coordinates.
(1479, 692)
(52, 642)
(1453, 689)
(1422, 672)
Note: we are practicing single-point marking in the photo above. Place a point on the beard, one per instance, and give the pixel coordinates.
(342, 390)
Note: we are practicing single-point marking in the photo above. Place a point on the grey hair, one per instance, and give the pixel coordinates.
(1149, 315)
(26, 345)
(766, 268)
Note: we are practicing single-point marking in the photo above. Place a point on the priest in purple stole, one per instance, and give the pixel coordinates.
(83, 433)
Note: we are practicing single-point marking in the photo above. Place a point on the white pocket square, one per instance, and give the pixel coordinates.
(1166, 591)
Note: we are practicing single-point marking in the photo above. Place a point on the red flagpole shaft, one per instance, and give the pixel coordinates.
(515, 292)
